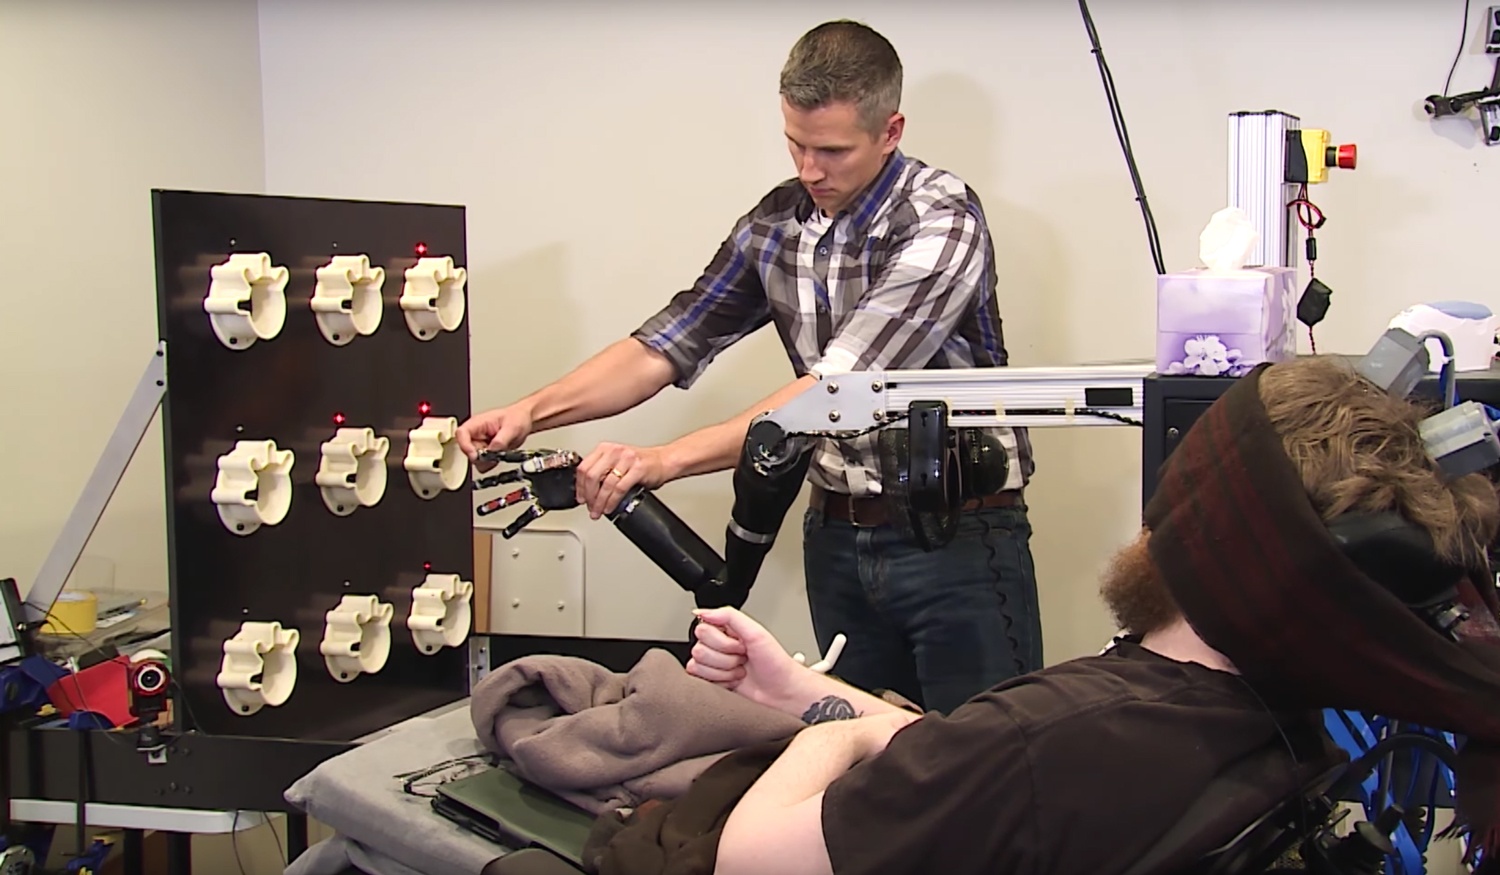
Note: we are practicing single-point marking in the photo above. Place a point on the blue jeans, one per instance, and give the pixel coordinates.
(937, 627)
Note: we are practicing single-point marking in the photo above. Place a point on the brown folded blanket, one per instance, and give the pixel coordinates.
(679, 837)
(605, 740)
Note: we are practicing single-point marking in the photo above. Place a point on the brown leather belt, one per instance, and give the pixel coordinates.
(873, 511)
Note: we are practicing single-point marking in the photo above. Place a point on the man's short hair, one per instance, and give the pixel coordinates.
(1357, 448)
(844, 62)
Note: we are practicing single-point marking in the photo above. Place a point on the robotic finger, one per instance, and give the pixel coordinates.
(494, 504)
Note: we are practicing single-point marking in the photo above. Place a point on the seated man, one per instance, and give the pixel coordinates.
(1245, 618)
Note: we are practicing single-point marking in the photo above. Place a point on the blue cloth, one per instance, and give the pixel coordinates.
(937, 628)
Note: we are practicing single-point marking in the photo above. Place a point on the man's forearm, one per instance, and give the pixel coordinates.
(818, 698)
(787, 800)
(718, 447)
(618, 378)
(813, 760)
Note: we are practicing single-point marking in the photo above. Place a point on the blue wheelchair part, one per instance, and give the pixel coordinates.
(1397, 780)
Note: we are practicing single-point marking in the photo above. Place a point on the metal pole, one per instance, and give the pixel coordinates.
(139, 412)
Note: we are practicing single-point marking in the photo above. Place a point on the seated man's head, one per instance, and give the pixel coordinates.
(1354, 448)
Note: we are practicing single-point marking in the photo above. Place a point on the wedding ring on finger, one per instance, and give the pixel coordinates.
(617, 472)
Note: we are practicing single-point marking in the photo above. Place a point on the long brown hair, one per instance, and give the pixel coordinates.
(1358, 448)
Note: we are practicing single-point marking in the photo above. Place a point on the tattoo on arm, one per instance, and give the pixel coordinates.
(829, 708)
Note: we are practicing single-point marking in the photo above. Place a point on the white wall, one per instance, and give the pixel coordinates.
(604, 149)
(101, 103)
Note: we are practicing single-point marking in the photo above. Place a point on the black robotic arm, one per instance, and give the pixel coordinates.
(766, 481)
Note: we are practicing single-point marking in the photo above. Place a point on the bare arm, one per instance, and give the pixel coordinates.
(777, 826)
(623, 375)
(817, 698)
(739, 654)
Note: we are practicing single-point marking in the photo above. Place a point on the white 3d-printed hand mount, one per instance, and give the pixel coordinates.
(254, 486)
(433, 298)
(434, 461)
(263, 650)
(357, 637)
(440, 611)
(352, 472)
(246, 299)
(347, 299)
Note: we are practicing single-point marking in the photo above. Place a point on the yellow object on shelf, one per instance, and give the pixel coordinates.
(74, 613)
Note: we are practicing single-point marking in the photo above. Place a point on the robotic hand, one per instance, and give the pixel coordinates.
(548, 476)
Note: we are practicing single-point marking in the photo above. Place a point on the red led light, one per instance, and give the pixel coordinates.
(338, 419)
(421, 248)
(426, 566)
(424, 408)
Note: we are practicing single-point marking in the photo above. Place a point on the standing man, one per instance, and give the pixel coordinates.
(868, 260)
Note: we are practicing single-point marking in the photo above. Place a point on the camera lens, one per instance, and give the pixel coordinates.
(150, 679)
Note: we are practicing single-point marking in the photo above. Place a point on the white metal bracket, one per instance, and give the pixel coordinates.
(140, 410)
(853, 403)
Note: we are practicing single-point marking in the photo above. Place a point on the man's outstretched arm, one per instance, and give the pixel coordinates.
(623, 375)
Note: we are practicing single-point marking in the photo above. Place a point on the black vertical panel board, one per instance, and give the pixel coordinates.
(294, 388)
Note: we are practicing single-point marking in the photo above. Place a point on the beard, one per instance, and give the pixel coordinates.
(1134, 592)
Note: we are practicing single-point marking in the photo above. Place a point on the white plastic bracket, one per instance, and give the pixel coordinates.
(246, 299)
(259, 667)
(347, 299)
(824, 665)
(254, 486)
(357, 637)
(434, 461)
(440, 612)
(352, 471)
(433, 298)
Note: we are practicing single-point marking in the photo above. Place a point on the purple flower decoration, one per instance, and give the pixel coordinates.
(1207, 356)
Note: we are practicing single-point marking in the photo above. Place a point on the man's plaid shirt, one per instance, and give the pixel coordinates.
(904, 278)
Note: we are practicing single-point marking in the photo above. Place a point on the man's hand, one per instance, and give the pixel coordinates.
(504, 428)
(611, 470)
(738, 654)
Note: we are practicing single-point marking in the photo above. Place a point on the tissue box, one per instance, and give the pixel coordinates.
(1213, 323)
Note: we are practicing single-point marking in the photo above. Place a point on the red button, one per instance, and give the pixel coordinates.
(1347, 154)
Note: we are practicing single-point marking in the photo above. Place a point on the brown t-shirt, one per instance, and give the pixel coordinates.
(1079, 768)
